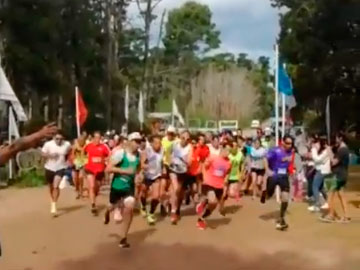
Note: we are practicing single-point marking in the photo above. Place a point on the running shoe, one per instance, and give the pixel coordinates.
(344, 220)
(143, 212)
(281, 225)
(263, 197)
(107, 217)
(325, 206)
(53, 210)
(94, 210)
(151, 219)
(174, 218)
(314, 208)
(124, 244)
(200, 208)
(201, 224)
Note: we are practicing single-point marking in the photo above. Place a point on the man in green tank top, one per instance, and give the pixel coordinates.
(124, 164)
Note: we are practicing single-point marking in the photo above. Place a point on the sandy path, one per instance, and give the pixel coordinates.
(244, 239)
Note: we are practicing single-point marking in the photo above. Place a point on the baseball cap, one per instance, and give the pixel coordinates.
(171, 129)
(134, 136)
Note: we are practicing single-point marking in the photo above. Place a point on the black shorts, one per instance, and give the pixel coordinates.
(279, 180)
(259, 172)
(117, 195)
(189, 181)
(50, 175)
(98, 176)
(148, 182)
(219, 192)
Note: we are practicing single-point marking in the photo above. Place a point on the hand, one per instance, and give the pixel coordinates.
(128, 171)
(270, 173)
(48, 131)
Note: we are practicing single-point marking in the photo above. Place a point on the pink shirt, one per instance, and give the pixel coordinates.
(217, 171)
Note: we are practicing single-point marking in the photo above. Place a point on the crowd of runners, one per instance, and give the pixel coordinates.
(159, 174)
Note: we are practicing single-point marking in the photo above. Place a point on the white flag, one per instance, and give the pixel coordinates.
(176, 113)
(13, 129)
(141, 109)
(127, 102)
(290, 101)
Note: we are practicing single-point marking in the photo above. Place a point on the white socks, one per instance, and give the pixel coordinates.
(53, 208)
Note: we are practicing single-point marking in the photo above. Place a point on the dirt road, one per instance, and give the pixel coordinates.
(244, 239)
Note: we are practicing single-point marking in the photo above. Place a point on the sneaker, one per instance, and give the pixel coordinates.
(151, 219)
(314, 208)
(174, 218)
(53, 209)
(124, 244)
(201, 224)
(263, 197)
(107, 217)
(143, 212)
(94, 210)
(281, 225)
(325, 206)
(163, 211)
(200, 208)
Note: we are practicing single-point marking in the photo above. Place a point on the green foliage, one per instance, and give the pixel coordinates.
(320, 39)
(32, 178)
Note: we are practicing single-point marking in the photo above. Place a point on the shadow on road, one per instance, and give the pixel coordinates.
(215, 223)
(68, 210)
(232, 209)
(180, 257)
(270, 216)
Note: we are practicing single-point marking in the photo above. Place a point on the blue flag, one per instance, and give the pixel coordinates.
(285, 84)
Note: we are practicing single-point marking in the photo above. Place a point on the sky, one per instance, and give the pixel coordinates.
(248, 26)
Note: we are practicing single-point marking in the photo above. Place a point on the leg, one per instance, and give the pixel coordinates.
(75, 176)
(128, 211)
(343, 203)
(155, 198)
(143, 198)
(316, 188)
(254, 184)
(176, 188)
(92, 191)
(285, 192)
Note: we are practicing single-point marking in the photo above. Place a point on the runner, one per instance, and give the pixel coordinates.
(55, 153)
(257, 165)
(217, 169)
(167, 146)
(214, 146)
(180, 161)
(236, 158)
(200, 152)
(79, 160)
(125, 164)
(152, 165)
(337, 183)
(95, 167)
(277, 165)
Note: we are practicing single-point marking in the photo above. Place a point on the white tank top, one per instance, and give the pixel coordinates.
(180, 154)
(154, 163)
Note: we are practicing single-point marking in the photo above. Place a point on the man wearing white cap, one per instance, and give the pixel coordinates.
(125, 164)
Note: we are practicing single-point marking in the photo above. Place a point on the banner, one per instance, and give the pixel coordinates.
(81, 110)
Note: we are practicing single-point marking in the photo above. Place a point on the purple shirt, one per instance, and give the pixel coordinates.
(275, 158)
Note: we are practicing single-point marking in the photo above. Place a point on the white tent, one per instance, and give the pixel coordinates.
(8, 94)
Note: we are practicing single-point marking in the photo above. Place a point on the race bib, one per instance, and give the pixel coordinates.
(282, 171)
(96, 159)
(219, 173)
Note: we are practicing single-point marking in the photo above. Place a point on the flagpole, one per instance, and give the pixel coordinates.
(10, 140)
(173, 114)
(283, 118)
(77, 111)
(328, 119)
(277, 94)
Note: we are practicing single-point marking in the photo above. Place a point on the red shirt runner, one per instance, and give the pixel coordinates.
(199, 154)
(96, 157)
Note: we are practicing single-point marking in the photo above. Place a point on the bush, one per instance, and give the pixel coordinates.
(32, 178)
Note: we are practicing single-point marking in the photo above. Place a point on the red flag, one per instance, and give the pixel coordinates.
(81, 110)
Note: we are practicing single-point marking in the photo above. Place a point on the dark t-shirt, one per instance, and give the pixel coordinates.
(341, 169)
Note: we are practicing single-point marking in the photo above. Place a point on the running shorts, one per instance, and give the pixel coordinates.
(116, 195)
(218, 191)
(50, 175)
(259, 172)
(279, 180)
(148, 182)
(334, 183)
(98, 176)
(189, 181)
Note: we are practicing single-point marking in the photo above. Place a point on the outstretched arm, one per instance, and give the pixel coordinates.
(26, 142)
